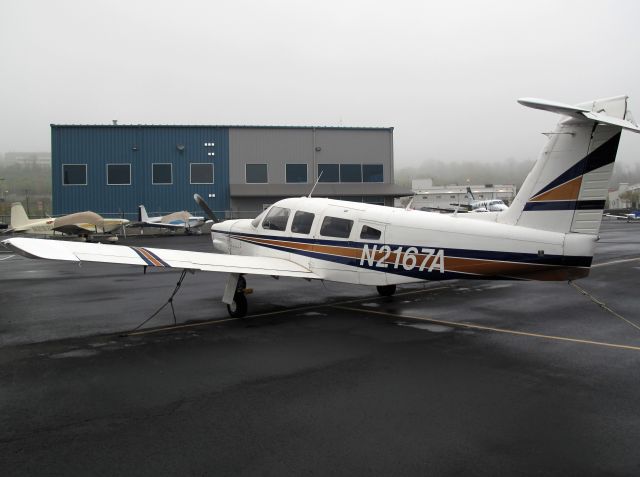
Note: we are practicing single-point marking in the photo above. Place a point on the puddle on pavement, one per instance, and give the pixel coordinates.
(426, 326)
(76, 353)
(312, 313)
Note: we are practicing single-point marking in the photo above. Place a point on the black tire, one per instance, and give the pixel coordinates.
(386, 290)
(238, 309)
(242, 283)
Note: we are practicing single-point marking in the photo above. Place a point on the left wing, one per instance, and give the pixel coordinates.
(159, 225)
(75, 229)
(156, 257)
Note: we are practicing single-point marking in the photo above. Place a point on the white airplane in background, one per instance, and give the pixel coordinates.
(82, 224)
(487, 205)
(474, 206)
(548, 233)
(635, 215)
(175, 221)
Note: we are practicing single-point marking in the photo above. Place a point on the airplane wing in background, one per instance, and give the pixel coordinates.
(159, 225)
(75, 229)
(156, 257)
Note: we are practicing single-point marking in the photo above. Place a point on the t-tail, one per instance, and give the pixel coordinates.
(567, 188)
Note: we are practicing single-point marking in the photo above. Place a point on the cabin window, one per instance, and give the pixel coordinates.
(302, 222)
(369, 233)
(336, 227)
(256, 173)
(296, 173)
(372, 173)
(276, 219)
(330, 172)
(201, 173)
(118, 174)
(74, 174)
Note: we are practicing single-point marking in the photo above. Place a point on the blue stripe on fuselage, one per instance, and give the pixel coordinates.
(499, 256)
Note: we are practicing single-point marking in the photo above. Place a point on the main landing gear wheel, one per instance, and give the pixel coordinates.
(386, 290)
(238, 309)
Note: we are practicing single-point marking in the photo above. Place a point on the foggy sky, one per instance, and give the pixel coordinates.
(446, 75)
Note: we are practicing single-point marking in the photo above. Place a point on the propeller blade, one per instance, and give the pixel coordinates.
(205, 207)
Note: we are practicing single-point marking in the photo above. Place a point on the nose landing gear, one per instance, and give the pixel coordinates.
(386, 290)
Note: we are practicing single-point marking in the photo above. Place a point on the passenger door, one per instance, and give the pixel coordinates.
(336, 259)
(369, 236)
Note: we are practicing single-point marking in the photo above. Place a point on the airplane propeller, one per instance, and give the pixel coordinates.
(204, 206)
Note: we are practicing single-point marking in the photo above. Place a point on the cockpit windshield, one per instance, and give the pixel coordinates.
(255, 222)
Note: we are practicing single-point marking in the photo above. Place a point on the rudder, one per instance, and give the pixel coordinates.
(19, 217)
(567, 188)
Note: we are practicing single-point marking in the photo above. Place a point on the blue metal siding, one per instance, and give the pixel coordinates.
(140, 146)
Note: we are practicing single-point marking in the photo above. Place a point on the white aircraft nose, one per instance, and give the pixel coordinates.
(220, 237)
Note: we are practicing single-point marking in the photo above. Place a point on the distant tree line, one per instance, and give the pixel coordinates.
(28, 183)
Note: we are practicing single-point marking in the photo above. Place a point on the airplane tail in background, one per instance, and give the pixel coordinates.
(19, 217)
(567, 188)
(142, 214)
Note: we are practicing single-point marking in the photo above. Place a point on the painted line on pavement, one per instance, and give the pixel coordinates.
(490, 328)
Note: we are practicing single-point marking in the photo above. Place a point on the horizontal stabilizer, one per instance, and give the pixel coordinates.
(552, 106)
(579, 112)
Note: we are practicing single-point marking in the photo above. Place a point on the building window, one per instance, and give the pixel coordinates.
(350, 173)
(74, 174)
(118, 174)
(256, 173)
(330, 172)
(201, 173)
(302, 222)
(296, 173)
(162, 174)
(373, 199)
(372, 173)
(336, 227)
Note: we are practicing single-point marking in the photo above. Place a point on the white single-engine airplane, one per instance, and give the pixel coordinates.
(635, 215)
(82, 224)
(548, 233)
(174, 221)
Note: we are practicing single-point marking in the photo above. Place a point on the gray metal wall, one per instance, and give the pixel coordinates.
(279, 146)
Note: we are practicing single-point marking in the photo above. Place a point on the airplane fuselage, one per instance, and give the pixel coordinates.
(376, 245)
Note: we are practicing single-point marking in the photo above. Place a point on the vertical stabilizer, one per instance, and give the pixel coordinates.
(567, 188)
(19, 217)
(142, 214)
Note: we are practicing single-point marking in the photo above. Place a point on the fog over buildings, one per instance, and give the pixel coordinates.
(446, 75)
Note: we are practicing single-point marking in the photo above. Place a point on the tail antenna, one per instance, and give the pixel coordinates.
(314, 185)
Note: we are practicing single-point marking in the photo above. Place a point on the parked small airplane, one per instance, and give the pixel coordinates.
(475, 206)
(488, 205)
(548, 233)
(635, 215)
(81, 224)
(176, 220)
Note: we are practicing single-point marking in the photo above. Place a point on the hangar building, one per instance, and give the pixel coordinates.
(239, 170)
